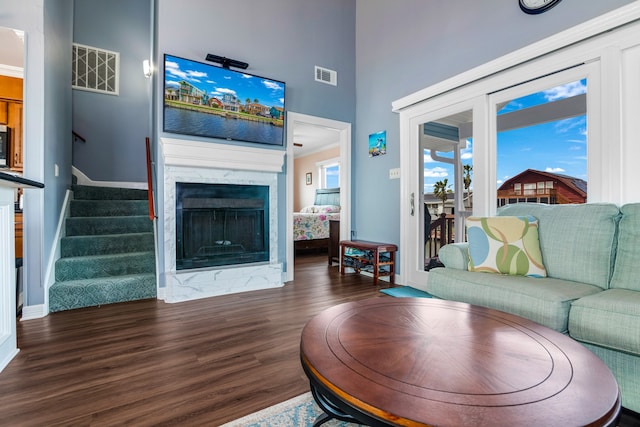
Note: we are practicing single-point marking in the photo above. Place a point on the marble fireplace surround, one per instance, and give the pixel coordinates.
(211, 163)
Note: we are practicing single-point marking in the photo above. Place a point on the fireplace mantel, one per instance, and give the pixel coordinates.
(209, 163)
(181, 152)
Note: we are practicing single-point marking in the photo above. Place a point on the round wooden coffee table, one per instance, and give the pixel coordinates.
(427, 362)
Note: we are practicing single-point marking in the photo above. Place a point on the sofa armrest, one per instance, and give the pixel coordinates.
(455, 255)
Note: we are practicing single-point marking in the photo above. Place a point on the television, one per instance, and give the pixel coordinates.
(214, 102)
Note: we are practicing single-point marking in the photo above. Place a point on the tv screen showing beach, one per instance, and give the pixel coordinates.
(214, 102)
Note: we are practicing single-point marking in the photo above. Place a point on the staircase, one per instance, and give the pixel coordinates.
(108, 253)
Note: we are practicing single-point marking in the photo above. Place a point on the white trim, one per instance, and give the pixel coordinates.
(593, 27)
(49, 277)
(85, 180)
(30, 312)
(11, 71)
(187, 153)
(345, 178)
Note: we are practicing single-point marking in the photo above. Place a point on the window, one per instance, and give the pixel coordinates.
(542, 133)
(329, 172)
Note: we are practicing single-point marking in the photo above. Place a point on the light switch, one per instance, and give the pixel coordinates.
(394, 173)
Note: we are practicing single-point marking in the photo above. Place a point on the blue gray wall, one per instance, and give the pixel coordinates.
(115, 127)
(280, 39)
(407, 45)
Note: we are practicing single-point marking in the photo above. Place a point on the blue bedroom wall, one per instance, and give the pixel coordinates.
(115, 127)
(406, 45)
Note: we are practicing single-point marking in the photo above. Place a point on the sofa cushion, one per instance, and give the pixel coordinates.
(543, 300)
(626, 272)
(455, 255)
(577, 241)
(505, 244)
(609, 319)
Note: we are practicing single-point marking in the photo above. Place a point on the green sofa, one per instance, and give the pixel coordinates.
(592, 290)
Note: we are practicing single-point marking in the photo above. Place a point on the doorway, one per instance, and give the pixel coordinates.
(295, 122)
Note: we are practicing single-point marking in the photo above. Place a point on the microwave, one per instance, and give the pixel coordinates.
(4, 145)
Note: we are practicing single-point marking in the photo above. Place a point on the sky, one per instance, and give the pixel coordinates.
(559, 147)
(217, 81)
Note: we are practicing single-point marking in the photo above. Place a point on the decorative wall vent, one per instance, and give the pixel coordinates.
(95, 70)
(326, 75)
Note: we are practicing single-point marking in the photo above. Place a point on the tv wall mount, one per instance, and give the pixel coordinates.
(226, 62)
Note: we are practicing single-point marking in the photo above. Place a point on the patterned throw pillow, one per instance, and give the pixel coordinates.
(505, 245)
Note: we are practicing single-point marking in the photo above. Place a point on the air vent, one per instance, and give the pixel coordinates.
(326, 75)
(95, 70)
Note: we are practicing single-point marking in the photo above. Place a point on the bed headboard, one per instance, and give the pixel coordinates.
(327, 196)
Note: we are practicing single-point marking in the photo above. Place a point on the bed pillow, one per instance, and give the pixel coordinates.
(327, 209)
(308, 209)
(505, 245)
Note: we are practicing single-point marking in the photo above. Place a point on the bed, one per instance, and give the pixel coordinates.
(311, 224)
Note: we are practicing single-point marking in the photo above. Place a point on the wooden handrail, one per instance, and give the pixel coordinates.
(152, 213)
(76, 135)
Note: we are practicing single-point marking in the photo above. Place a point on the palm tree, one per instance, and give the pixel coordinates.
(441, 189)
(467, 180)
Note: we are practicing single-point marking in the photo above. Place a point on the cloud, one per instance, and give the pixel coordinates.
(566, 125)
(554, 170)
(196, 74)
(226, 91)
(565, 91)
(436, 172)
(271, 85)
(173, 68)
(247, 76)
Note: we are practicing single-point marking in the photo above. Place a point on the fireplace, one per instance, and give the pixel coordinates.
(221, 224)
(192, 165)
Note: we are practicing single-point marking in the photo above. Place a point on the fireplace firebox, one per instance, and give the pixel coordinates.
(221, 224)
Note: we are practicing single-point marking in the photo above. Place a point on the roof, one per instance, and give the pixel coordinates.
(577, 184)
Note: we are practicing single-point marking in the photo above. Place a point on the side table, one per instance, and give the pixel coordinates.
(377, 258)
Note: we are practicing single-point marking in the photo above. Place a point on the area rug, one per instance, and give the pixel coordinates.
(301, 411)
(406, 292)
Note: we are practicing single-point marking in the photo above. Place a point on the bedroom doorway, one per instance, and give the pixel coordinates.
(302, 125)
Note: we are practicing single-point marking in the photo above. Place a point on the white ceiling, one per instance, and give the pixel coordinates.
(313, 139)
(11, 47)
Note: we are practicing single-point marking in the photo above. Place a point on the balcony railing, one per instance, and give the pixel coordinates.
(440, 234)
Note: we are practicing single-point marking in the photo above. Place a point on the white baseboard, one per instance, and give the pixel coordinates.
(30, 312)
(85, 180)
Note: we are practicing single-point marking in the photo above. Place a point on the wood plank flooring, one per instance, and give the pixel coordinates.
(201, 362)
(149, 363)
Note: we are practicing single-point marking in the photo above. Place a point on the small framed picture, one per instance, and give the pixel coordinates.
(308, 178)
(378, 144)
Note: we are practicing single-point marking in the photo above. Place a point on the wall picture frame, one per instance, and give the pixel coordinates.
(378, 144)
(309, 179)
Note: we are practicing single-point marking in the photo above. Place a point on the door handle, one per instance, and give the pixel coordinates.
(413, 204)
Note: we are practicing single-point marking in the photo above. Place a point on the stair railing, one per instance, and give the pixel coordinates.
(152, 213)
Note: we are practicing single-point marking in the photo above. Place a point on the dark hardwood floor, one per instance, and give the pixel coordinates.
(201, 362)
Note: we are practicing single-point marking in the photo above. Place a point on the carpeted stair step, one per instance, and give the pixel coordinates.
(73, 294)
(84, 208)
(87, 267)
(73, 246)
(83, 226)
(84, 192)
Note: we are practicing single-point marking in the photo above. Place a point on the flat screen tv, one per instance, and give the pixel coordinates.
(206, 100)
